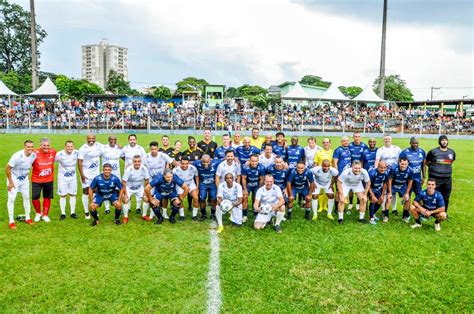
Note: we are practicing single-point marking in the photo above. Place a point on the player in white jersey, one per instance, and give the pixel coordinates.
(67, 178)
(231, 191)
(226, 166)
(187, 173)
(134, 180)
(351, 180)
(157, 161)
(131, 150)
(267, 157)
(88, 163)
(324, 177)
(310, 152)
(111, 153)
(390, 154)
(269, 195)
(18, 171)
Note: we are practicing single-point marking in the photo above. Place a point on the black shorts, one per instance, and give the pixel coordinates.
(47, 188)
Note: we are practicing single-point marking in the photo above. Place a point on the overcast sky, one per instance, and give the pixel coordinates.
(266, 42)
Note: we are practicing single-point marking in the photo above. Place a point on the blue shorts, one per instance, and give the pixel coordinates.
(252, 189)
(99, 199)
(400, 192)
(304, 192)
(204, 190)
(171, 196)
(416, 187)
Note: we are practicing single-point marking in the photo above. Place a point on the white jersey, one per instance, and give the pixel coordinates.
(21, 165)
(186, 175)
(111, 155)
(309, 154)
(323, 178)
(67, 165)
(135, 178)
(269, 197)
(348, 177)
(129, 152)
(156, 165)
(388, 154)
(231, 194)
(266, 162)
(90, 156)
(225, 168)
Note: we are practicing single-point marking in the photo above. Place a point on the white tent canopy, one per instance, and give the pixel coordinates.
(47, 89)
(5, 91)
(368, 95)
(297, 92)
(333, 93)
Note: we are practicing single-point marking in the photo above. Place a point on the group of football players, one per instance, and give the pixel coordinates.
(266, 174)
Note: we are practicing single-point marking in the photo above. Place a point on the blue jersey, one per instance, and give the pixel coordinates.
(279, 150)
(219, 153)
(244, 153)
(106, 187)
(164, 188)
(293, 155)
(400, 178)
(368, 158)
(253, 175)
(280, 176)
(377, 180)
(415, 160)
(207, 176)
(430, 202)
(344, 158)
(357, 150)
(300, 181)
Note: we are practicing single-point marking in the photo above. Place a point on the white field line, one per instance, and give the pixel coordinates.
(214, 300)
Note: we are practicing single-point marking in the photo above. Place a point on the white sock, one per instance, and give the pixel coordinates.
(314, 205)
(152, 214)
(62, 205)
(11, 207)
(341, 215)
(126, 208)
(394, 202)
(219, 215)
(165, 213)
(72, 203)
(145, 208)
(181, 211)
(107, 205)
(27, 207)
(361, 215)
(330, 205)
(279, 218)
(357, 206)
(349, 207)
(138, 201)
(85, 203)
(195, 211)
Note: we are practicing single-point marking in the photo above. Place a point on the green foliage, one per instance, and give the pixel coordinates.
(350, 91)
(77, 89)
(190, 84)
(162, 92)
(395, 89)
(231, 92)
(314, 80)
(247, 91)
(117, 84)
(15, 39)
(18, 83)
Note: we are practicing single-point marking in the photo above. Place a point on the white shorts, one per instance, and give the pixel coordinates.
(355, 189)
(191, 187)
(236, 215)
(22, 186)
(66, 187)
(137, 192)
(326, 189)
(87, 183)
(265, 218)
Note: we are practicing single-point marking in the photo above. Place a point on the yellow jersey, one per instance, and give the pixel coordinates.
(322, 155)
(258, 142)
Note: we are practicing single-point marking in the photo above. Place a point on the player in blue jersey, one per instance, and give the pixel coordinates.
(252, 179)
(417, 162)
(294, 153)
(220, 152)
(246, 150)
(300, 182)
(279, 148)
(429, 203)
(368, 155)
(400, 182)
(166, 189)
(105, 187)
(357, 148)
(341, 160)
(280, 175)
(206, 181)
(268, 140)
(378, 188)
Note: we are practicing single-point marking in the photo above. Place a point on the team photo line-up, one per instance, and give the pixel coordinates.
(270, 174)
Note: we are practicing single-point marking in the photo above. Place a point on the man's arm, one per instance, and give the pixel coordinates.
(185, 191)
(81, 173)
(8, 172)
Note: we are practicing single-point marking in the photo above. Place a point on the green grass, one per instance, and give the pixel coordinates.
(311, 267)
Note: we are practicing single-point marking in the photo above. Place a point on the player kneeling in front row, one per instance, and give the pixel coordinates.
(269, 202)
(429, 203)
(351, 180)
(300, 182)
(229, 199)
(134, 180)
(324, 178)
(165, 189)
(378, 188)
(107, 187)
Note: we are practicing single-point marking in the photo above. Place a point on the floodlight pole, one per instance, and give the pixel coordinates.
(34, 58)
(382, 54)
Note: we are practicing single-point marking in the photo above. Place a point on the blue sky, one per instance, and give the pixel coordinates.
(265, 42)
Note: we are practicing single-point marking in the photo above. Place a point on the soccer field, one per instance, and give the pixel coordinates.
(316, 266)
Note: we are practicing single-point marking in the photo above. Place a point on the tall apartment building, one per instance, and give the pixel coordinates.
(98, 60)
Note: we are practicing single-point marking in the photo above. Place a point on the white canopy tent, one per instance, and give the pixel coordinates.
(46, 90)
(297, 92)
(5, 91)
(333, 94)
(368, 96)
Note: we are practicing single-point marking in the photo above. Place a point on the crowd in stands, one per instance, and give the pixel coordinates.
(140, 115)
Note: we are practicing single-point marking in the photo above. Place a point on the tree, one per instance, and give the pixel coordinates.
(259, 101)
(314, 80)
(350, 91)
(395, 88)
(246, 91)
(231, 92)
(15, 39)
(19, 83)
(117, 84)
(162, 92)
(77, 89)
(190, 84)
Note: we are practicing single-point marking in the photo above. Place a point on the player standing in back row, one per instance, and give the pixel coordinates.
(67, 178)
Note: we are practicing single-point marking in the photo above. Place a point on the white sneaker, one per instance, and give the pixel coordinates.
(385, 219)
(244, 219)
(46, 219)
(406, 219)
(437, 227)
(87, 215)
(357, 207)
(416, 225)
(37, 217)
(165, 215)
(349, 207)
